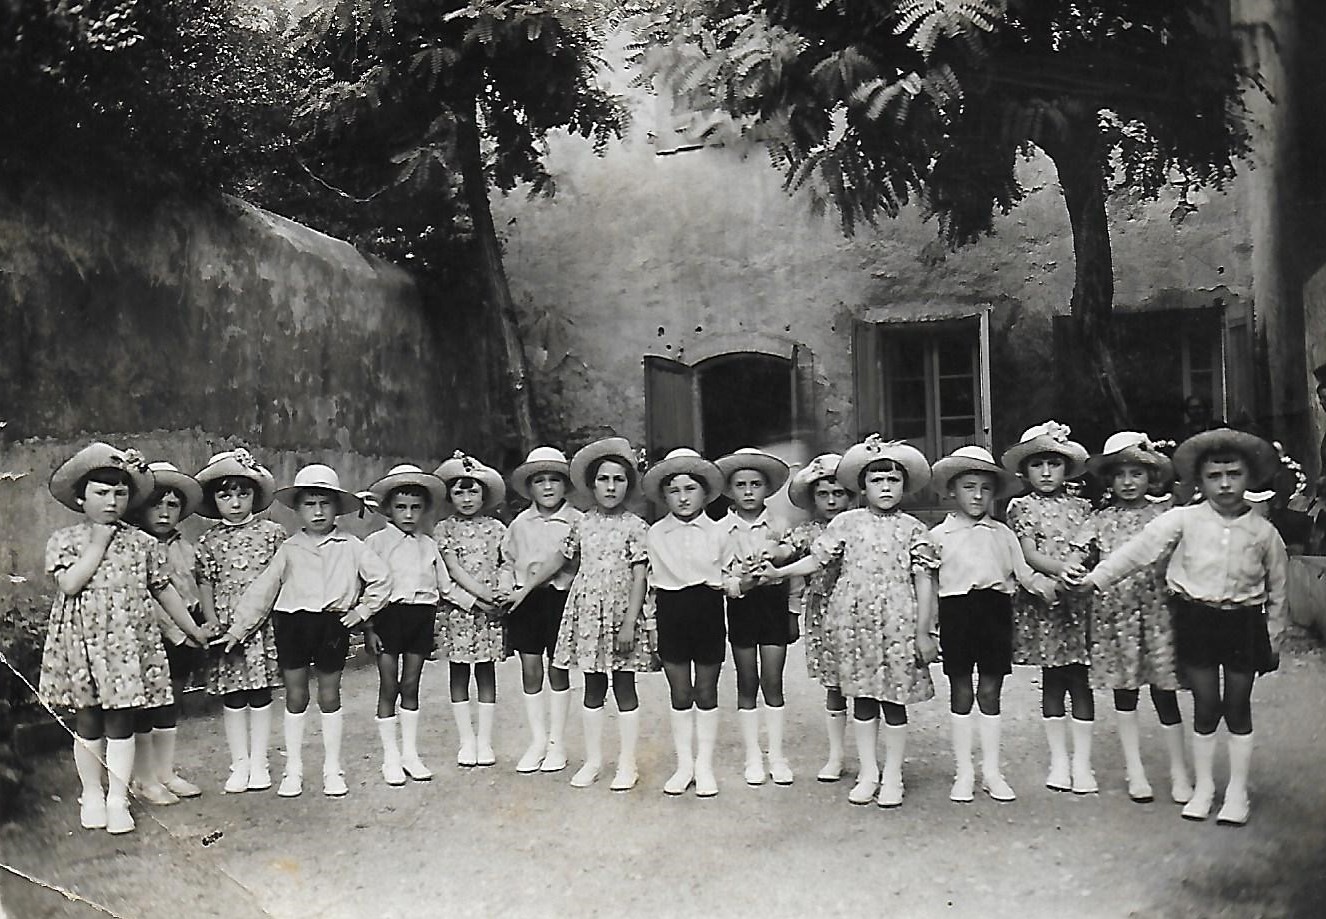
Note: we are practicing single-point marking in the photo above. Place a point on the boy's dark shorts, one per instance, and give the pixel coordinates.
(976, 631)
(406, 628)
(761, 617)
(1236, 639)
(533, 627)
(690, 625)
(184, 661)
(304, 638)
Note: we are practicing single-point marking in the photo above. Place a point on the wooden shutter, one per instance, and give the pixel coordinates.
(868, 378)
(670, 415)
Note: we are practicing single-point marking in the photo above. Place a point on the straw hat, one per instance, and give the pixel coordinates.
(873, 448)
(540, 459)
(775, 470)
(801, 486)
(1050, 437)
(324, 478)
(1127, 447)
(463, 466)
(618, 448)
(974, 459)
(166, 475)
(65, 480)
(683, 460)
(236, 464)
(402, 475)
(1261, 456)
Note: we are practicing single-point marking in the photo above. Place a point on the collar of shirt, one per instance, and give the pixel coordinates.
(237, 523)
(316, 542)
(170, 538)
(734, 521)
(955, 522)
(394, 535)
(1244, 521)
(700, 521)
(565, 513)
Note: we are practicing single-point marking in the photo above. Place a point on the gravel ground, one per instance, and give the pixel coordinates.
(489, 841)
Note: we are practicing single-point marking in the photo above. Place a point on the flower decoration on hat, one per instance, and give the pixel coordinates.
(1300, 478)
(131, 459)
(466, 461)
(245, 459)
(1056, 431)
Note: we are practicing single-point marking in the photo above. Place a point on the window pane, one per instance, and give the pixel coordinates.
(906, 359)
(957, 396)
(960, 427)
(955, 355)
(908, 429)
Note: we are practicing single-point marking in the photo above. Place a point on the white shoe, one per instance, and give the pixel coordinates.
(260, 777)
(863, 792)
(554, 760)
(1084, 781)
(153, 793)
(626, 778)
(118, 818)
(1235, 810)
(890, 794)
(484, 755)
(755, 774)
(680, 780)
(468, 755)
(238, 780)
(183, 788)
(532, 761)
(333, 784)
(1199, 805)
(393, 774)
(586, 775)
(831, 771)
(997, 788)
(1180, 789)
(1060, 777)
(781, 771)
(1139, 789)
(92, 812)
(414, 768)
(964, 785)
(292, 785)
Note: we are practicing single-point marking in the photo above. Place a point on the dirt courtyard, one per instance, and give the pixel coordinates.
(489, 841)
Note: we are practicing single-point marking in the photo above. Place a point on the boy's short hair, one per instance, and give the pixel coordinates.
(466, 481)
(1223, 454)
(105, 476)
(160, 493)
(412, 491)
(993, 477)
(664, 482)
(304, 491)
(880, 465)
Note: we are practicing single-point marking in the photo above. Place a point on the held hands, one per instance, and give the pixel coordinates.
(354, 617)
(518, 598)
(1047, 590)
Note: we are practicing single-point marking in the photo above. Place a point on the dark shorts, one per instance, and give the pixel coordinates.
(759, 618)
(304, 639)
(1236, 639)
(406, 628)
(976, 631)
(532, 629)
(184, 661)
(690, 625)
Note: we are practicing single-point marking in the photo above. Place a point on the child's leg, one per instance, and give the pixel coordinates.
(682, 692)
(459, 675)
(235, 721)
(412, 668)
(747, 663)
(628, 726)
(260, 732)
(1238, 721)
(89, 760)
(1054, 686)
(1077, 678)
(559, 701)
(329, 702)
(961, 700)
(531, 679)
(531, 672)
(119, 765)
(596, 693)
(1125, 711)
(895, 750)
(296, 683)
(146, 784)
(706, 727)
(1207, 710)
(989, 688)
(388, 684)
(772, 660)
(865, 727)
(485, 680)
(1166, 702)
(388, 691)
(835, 721)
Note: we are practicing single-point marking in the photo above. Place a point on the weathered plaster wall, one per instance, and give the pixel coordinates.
(645, 254)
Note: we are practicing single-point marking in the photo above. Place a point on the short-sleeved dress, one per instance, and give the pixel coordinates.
(103, 645)
(470, 636)
(229, 558)
(1050, 635)
(1132, 633)
(820, 662)
(870, 620)
(609, 546)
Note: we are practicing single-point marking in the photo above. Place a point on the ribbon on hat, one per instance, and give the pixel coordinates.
(131, 458)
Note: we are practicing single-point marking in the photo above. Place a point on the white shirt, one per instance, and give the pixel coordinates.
(685, 553)
(418, 574)
(533, 538)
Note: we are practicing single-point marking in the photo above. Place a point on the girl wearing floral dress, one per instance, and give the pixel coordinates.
(608, 625)
(881, 613)
(1054, 636)
(236, 488)
(1132, 633)
(471, 544)
(814, 488)
(104, 656)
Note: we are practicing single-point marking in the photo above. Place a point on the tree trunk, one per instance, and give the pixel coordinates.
(1078, 156)
(497, 290)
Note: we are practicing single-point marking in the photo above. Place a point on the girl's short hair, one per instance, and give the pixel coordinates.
(664, 482)
(1026, 460)
(227, 483)
(592, 471)
(879, 465)
(105, 476)
(412, 491)
(466, 481)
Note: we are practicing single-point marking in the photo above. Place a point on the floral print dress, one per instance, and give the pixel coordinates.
(820, 662)
(470, 636)
(870, 620)
(1050, 635)
(230, 557)
(609, 547)
(103, 645)
(1132, 634)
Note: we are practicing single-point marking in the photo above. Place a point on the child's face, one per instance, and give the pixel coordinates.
(610, 485)
(884, 489)
(749, 490)
(548, 490)
(1130, 483)
(1222, 483)
(1045, 472)
(104, 503)
(466, 497)
(234, 501)
(684, 496)
(830, 498)
(317, 511)
(406, 511)
(161, 518)
(973, 492)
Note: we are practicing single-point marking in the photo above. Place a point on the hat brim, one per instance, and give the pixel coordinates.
(1260, 455)
(774, 470)
(431, 484)
(521, 475)
(697, 467)
(264, 485)
(617, 448)
(346, 502)
(64, 481)
(1074, 453)
(1100, 464)
(182, 482)
(943, 473)
(860, 456)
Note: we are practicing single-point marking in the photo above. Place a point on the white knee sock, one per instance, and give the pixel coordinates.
(293, 728)
(260, 732)
(119, 765)
(163, 753)
(89, 758)
(236, 724)
(332, 725)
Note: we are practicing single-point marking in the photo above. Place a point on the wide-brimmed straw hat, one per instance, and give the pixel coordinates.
(167, 475)
(1127, 447)
(65, 480)
(540, 459)
(463, 466)
(1050, 437)
(773, 469)
(618, 448)
(975, 459)
(1260, 455)
(873, 448)
(236, 464)
(682, 461)
(401, 476)
(801, 485)
(323, 478)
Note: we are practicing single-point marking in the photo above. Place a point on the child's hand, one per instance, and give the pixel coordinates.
(1048, 591)
(518, 598)
(1072, 573)
(625, 641)
(228, 642)
(353, 617)
(372, 642)
(197, 637)
(927, 648)
(102, 534)
(1083, 585)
